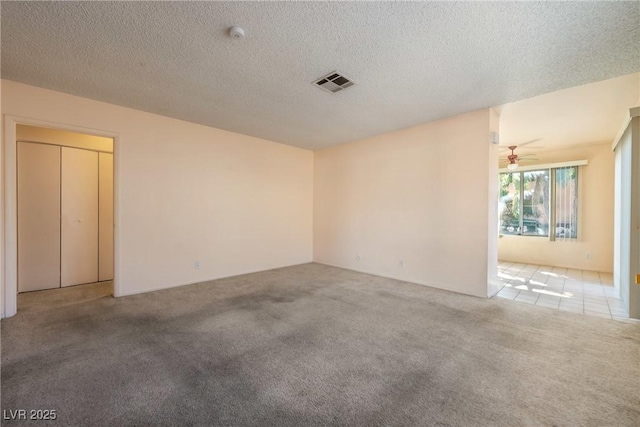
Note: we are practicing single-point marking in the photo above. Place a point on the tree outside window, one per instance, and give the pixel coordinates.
(527, 207)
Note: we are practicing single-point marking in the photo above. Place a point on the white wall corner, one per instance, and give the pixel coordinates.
(633, 112)
(2, 267)
(493, 283)
(9, 212)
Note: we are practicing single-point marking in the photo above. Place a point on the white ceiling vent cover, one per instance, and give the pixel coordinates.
(333, 82)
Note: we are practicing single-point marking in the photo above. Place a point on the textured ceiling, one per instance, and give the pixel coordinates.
(411, 62)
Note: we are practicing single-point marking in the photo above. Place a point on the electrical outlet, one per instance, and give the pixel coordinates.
(401, 263)
(196, 265)
(359, 257)
(588, 255)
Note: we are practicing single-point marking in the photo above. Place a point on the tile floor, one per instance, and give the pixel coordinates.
(577, 291)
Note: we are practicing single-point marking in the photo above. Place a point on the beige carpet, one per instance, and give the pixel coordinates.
(315, 345)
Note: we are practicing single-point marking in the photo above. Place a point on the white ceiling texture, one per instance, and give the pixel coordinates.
(411, 62)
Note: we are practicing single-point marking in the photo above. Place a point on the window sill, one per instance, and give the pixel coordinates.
(557, 239)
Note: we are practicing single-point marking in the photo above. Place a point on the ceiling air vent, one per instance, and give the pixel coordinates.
(333, 82)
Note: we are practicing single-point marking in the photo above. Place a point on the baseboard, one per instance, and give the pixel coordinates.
(493, 294)
(160, 288)
(400, 279)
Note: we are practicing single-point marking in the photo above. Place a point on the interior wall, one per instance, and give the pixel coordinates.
(187, 193)
(593, 249)
(411, 204)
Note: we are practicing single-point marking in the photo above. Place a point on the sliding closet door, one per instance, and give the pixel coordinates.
(38, 216)
(79, 260)
(106, 217)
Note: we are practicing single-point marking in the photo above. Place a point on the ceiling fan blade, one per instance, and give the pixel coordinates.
(528, 160)
(525, 155)
(505, 147)
(529, 142)
(535, 147)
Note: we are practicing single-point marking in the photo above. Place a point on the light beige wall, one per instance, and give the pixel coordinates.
(595, 217)
(418, 196)
(188, 192)
(59, 137)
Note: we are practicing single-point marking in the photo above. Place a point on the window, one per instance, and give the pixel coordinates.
(531, 201)
(566, 202)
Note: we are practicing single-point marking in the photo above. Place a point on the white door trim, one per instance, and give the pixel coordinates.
(8, 206)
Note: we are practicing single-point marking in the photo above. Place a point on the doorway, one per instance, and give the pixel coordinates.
(59, 210)
(65, 208)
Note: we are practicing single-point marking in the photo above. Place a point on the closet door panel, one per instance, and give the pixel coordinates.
(105, 178)
(79, 260)
(38, 216)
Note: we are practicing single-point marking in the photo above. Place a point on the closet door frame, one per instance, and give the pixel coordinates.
(105, 216)
(9, 205)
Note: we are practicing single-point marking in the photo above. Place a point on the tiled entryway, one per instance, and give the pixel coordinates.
(576, 291)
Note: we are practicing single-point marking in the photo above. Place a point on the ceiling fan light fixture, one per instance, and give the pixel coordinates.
(512, 166)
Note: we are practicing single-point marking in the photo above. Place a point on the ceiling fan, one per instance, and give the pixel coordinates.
(506, 147)
(513, 159)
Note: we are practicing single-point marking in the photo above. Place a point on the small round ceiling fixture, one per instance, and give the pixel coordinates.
(236, 32)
